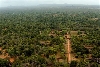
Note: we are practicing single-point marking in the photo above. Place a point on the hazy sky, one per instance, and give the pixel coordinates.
(4, 3)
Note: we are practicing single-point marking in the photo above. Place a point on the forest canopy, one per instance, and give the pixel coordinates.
(35, 36)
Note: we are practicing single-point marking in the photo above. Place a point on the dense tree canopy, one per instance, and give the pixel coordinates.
(34, 36)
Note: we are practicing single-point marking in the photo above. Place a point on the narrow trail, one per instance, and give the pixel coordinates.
(70, 56)
(68, 48)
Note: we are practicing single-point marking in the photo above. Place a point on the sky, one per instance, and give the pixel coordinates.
(6, 3)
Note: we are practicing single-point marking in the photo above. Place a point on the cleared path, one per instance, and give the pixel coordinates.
(68, 48)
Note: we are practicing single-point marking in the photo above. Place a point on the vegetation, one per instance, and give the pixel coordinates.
(34, 37)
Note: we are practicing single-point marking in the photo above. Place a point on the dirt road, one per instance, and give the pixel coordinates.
(69, 55)
(68, 48)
